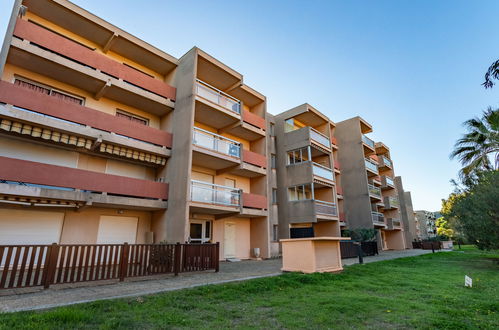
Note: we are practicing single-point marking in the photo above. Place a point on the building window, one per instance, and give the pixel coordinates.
(275, 233)
(132, 117)
(274, 196)
(200, 231)
(298, 156)
(272, 161)
(44, 89)
(272, 129)
(301, 192)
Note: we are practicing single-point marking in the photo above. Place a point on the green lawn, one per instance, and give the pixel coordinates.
(418, 292)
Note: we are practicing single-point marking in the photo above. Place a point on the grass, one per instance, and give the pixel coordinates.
(418, 292)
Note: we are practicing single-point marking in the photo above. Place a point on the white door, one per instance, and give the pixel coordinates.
(19, 227)
(230, 240)
(117, 230)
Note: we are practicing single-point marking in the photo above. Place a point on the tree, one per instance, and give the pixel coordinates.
(476, 147)
(444, 229)
(475, 212)
(492, 73)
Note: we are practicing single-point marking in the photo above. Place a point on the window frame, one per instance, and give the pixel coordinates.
(132, 116)
(49, 88)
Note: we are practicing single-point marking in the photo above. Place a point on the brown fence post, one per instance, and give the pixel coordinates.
(124, 261)
(217, 254)
(50, 265)
(176, 258)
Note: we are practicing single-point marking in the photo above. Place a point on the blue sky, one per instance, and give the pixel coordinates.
(412, 69)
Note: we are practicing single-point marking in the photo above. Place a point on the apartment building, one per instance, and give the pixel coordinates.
(426, 221)
(107, 139)
(370, 195)
(306, 178)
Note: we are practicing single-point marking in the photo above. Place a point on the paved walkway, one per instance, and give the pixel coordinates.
(61, 295)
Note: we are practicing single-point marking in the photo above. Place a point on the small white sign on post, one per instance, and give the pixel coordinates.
(468, 281)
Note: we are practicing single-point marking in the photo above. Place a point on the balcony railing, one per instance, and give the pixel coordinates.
(215, 142)
(323, 171)
(394, 201)
(371, 165)
(374, 191)
(389, 181)
(214, 194)
(368, 141)
(396, 223)
(378, 217)
(327, 208)
(319, 137)
(217, 96)
(386, 161)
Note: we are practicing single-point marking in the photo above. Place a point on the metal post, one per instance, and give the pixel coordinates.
(176, 260)
(360, 252)
(217, 254)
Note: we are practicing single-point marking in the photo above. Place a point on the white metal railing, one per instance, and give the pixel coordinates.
(217, 96)
(374, 191)
(215, 142)
(327, 208)
(371, 165)
(378, 217)
(386, 161)
(368, 141)
(319, 137)
(389, 181)
(322, 171)
(210, 193)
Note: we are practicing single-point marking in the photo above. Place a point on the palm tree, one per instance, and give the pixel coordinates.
(491, 74)
(481, 142)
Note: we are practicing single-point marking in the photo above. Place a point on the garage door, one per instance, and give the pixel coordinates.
(30, 227)
(117, 230)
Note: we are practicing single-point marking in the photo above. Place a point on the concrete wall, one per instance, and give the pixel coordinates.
(357, 204)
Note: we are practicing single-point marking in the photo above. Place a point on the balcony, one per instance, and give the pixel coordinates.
(393, 224)
(320, 138)
(371, 167)
(337, 166)
(387, 183)
(385, 163)
(253, 165)
(391, 202)
(251, 127)
(48, 119)
(50, 54)
(368, 145)
(322, 172)
(254, 205)
(326, 208)
(374, 192)
(214, 199)
(36, 173)
(378, 219)
(334, 143)
(216, 108)
(214, 151)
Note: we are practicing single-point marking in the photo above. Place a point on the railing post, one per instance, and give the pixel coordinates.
(176, 260)
(50, 266)
(217, 254)
(124, 261)
(359, 252)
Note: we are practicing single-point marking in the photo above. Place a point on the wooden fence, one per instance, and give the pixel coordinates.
(36, 265)
(349, 249)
